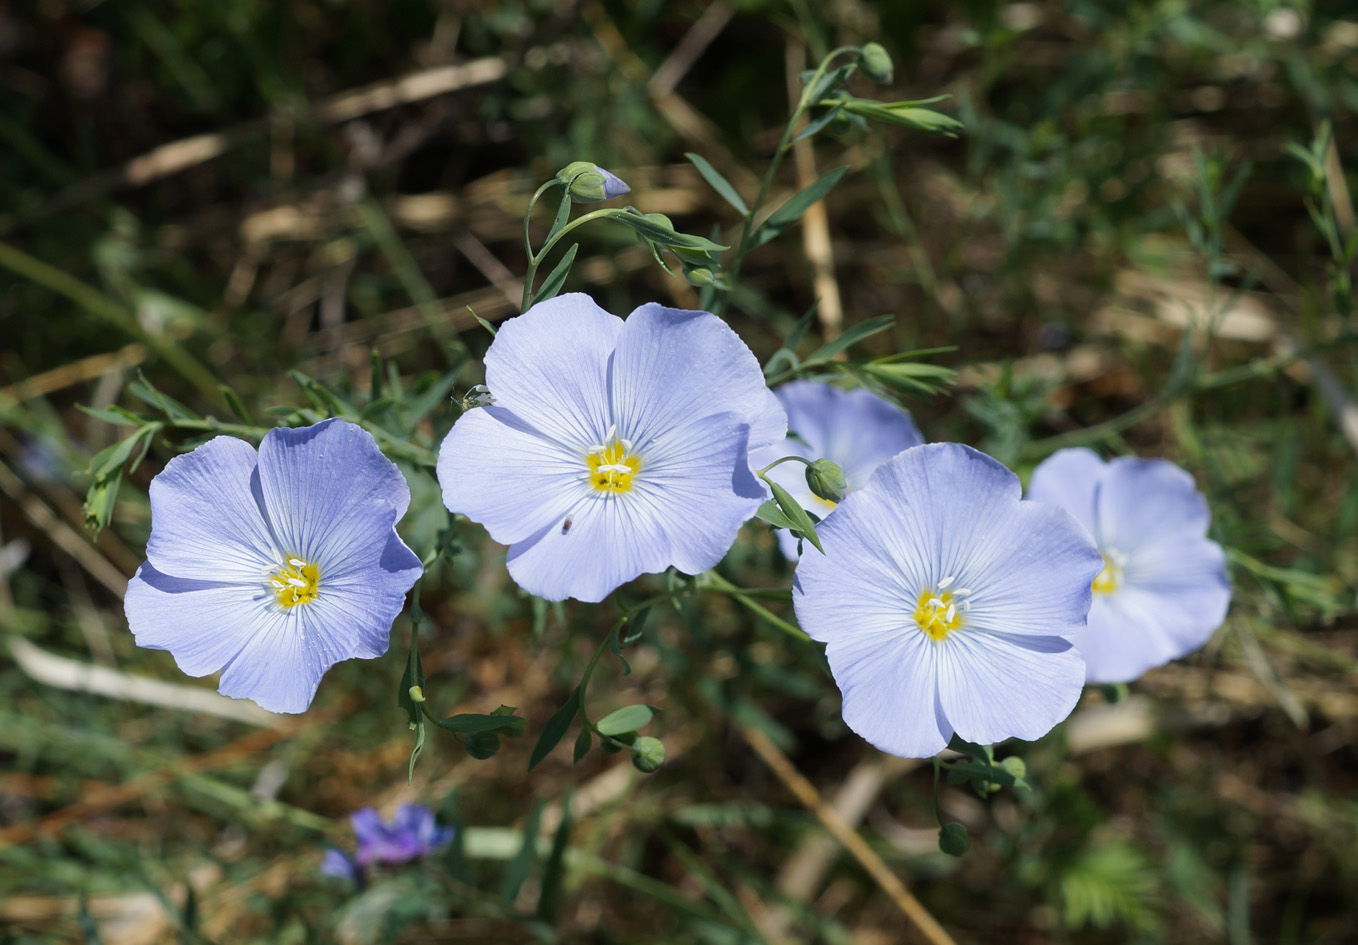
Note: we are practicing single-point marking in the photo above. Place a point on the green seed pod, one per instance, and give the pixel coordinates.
(953, 839)
(875, 62)
(826, 480)
(648, 755)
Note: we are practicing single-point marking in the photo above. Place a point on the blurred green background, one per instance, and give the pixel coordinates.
(1143, 241)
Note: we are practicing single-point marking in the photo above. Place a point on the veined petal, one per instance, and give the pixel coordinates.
(1037, 576)
(359, 606)
(1070, 479)
(323, 487)
(203, 624)
(672, 364)
(994, 686)
(1145, 501)
(890, 687)
(684, 509)
(550, 366)
(209, 524)
(515, 481)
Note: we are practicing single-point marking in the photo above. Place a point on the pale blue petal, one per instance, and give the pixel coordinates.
(357, 607)
(1171, 598)
(367, 825)
(510, 478)
(550, 366)
(330, 494)
(994, 686)
(203, 624)
(672, 365)
(1069, 478)
(1125, 638)
(336, 864)
(686, 504)
(207, 522)
(287, 653)
(856, 428)
(1032, 573)
(1146, 501)
(889, 682)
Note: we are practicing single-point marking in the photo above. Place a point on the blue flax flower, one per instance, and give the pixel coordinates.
(612, 449)
(855, 429)
(409, 835)
(1163, 589)
(945, 600)
(273, 566)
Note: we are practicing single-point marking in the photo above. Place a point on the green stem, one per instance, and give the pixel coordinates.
(716, 582)
(534, 261)
(803, 103)
(779, 462)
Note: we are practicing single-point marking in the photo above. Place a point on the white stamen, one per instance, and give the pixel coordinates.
(278, 584)
(613, 467)
(626, 445)
(297, 562)
(951, 614)
(961, 592)
(943, 584)
(612, 428)
(966, 606)
(297, 582)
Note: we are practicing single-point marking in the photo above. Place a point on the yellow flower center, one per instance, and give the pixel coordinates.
(939, 612)
(1107, 581)
(612, 467)
(296, 582)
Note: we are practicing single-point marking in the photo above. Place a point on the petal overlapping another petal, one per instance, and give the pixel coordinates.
(330, 494)
(890, 687)
(209, 522)
(672, 365)
(1070, 478)
(550, 367)
(855, 428)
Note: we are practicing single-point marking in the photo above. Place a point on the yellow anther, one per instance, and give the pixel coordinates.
(937, 613)
(612, 467)
(296, 582)
(1107, 581)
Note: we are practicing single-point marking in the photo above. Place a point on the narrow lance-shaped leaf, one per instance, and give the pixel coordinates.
(555, 729)
(557, 277)
(720, 184)
(627, 719)
(791, 211)
(801, 521)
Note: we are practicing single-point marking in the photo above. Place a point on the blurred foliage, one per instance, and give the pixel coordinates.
(1141, 241)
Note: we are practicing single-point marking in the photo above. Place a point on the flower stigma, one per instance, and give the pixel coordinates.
(1111, 575)
(613, 465)
(296, 582)
(939, 610)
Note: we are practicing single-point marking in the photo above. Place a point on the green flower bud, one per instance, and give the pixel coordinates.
(648, 754)
(953, 839)
(826, 480)
(700, 276)
(416, 694)
(1015, 765)
(481, 745)
(590, 183)
(875, 62)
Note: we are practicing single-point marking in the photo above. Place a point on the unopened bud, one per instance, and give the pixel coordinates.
(416, 694)
(700, 277)
(648, 754)
(875, 62)
(590, 183)
(953, 839)
(826, 480)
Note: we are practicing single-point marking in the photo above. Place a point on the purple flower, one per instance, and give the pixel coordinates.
(1163, 589)
(944, 601)
(409, 835)
(273, 566)
(855, 429)
(612, 449)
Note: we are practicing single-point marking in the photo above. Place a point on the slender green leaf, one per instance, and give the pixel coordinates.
(769, 512)
(469, 724)
(555, 729)
(627, 719)
(830, 115)
(583, 742)
(563, 214)
(720, 184)
(801, 521)
(557, 277)
(851, 336)
(791, 211)
(665, 235)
